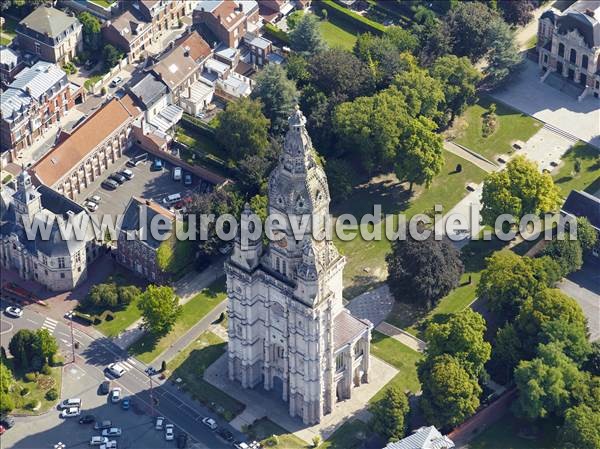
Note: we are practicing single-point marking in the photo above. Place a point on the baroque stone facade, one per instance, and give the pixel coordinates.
(288, 329)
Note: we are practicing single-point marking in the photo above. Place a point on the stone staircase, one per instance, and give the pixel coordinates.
(565, 85)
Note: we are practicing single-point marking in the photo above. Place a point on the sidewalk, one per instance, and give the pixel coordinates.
(470, 156)
(403, 337)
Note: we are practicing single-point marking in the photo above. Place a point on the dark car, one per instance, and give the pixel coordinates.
(157, 165)
(225, 434)
(118, 177)
(126, 403)
(104, 387)
(181, 440)
(187, 179)
(87, 419)
(110, 184)
(137, 160)
(7, 421)
(101, 425)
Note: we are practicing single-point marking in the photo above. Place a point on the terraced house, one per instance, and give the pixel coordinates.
(161, 14)
(51, 34)
(37, 98)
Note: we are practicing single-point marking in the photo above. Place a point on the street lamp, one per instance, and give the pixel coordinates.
(70, 316)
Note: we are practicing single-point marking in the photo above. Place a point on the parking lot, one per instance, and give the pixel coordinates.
(146, 183)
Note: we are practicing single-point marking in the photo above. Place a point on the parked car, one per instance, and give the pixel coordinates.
(112, 444)
(126, 403)
(107, 423)
(70, 412)
(95, 198)
(71, 402)
(181, 440)
(87, 419)
(157, 165)
(15, 312)
(187, 179)
(127, 173)
(91, 206)
(109, 184)
(116, 81)
(225, 434)
(115, 395)
(172, 199)
(118, 177)
(97, 440)
(116, 369)
(159, 423)
(210, 423)
(7, 421)
(169, 432)
(104, 387)
(177, 173)
(137, 159)
(112, 432)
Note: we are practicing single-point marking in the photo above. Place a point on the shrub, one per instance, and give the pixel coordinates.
(31, 377)
(32, 405)
(490, 121)
(52, 395)
(273, 31)
(46, 370)
(351, 17)
(57, 360)
(7, 404)
(272, 441)
(24, 391)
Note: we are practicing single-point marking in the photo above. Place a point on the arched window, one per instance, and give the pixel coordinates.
(584, 62)
(573, 56)
(561, 49)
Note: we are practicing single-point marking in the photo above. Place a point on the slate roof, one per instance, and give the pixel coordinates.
(346, 327)
(128, 26)
(175, 68)
(424, 438)
(148, 90)
(132, 221)
(583, 204)
(48, 21)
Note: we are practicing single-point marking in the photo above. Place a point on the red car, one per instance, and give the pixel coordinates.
(2, 430)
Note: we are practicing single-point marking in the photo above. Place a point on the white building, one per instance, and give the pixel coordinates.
(423, 438)
(288, 329)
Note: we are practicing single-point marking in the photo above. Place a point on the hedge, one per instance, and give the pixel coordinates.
(194, 124)
(275, 32)
(362, 23)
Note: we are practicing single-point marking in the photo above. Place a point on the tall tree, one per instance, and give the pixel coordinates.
(567, 253)
(423, 271)
(277, 94)
(503, 57)
(518, 190)
(160, 309)
(252, 170)
(517, 12)
(45, 345)
(6, 378)
(242, 128)
(21, 346)
(592, 364)
(306, 36)
(389, 414)
(581, 428)
(420, 158)
(111, 56)
(586, 234)
(450, 393)
(91, 28)
(433, 35)
(458, 78)
(462, 336)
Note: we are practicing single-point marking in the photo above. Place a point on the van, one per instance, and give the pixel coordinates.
(172, 199)
(72, 402)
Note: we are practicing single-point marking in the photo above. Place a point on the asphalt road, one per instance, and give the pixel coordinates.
(92, 356)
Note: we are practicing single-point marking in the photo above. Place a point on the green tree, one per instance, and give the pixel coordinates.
(592, 364)
(462, 336)
(102, 296)
(503, 57)
(91, 28)
(581, 428)
(423, 271)
(517, 13)
(21, 346)
(293, 19)
(242, 129)
(111, 56)
(389, 414)
(45, 345)
(253, 170)
(469, 24)
(420, 158)
(518, 190)
(6, 378)
(339, 176)
(567, 253)
(586, 234)
(278, 96)
(306, 36)
(160, 309)
(297, 69)
(458, 79)
(433, 35)
(128, 293)
(450, 394)
(164, 255)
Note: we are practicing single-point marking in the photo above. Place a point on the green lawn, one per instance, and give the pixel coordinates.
(37, 390)
(512, 126)
(338, 34)
(148, 347)
(447, 190)
(122, 320)
(350, 435)
(505, 434)
(105, 3)
(274, 436)
(401, 357)
(190, 364)
(589, 176)
(7, 33)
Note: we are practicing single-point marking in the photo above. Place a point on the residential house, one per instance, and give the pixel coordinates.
(583, 204)
(274, 10)
(568, 44)
(130, 34)
(228, 20)
(90, 149)
(260, 48)
(11, 63)
(37, 98)
(137, 246)
(161, 14)
(51, 34)
(178, 70)
(58, 263)
(423, 438)
(228, 84)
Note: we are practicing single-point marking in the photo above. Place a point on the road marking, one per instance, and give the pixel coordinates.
(31, 321)
(126, 365)
(10, 327)
(132, 361)
(49, 324)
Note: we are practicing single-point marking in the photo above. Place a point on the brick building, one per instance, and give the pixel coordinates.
(129, 34)
(228, 21)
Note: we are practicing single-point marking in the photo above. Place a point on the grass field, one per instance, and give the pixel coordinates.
(122, 320)
(105, 3)
(504, 434)
(148, 347)
(7, 32)
(190, 364)
(512, 126)
(588, 178)
(338, 34)
(446, 190)
(274, 436)
(350, 435)
(401, 357)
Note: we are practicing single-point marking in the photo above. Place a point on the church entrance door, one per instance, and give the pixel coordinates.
(278, 386)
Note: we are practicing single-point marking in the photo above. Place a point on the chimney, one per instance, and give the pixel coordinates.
(147, 202)
(590, 12)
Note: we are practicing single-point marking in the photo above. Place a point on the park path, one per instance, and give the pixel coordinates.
(414, 343)
(471, 156)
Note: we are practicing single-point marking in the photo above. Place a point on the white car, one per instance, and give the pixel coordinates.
(14, 311)
(95, 199)
(160, 422)
(116, 369)
(112, 432)
(115, 395)
(112, 444)
(70, 412)
(169, 432)
(127, 173)
(116, 81)
(98, 440)
(91, 206)
(210, 423)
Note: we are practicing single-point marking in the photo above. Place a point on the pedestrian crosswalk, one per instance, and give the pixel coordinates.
(129, 364)
(49, 324)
